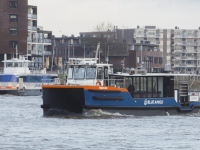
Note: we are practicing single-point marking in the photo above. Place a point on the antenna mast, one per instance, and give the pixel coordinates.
(98, 46)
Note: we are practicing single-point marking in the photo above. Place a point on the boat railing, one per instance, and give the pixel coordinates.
(55, 81)
(37, 71)
(119, 83)
(1, 70)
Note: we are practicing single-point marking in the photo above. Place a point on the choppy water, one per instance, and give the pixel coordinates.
(22, 127)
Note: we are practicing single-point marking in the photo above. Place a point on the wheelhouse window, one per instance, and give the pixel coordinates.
(13, 4)
(13, 18)
(13, 44)
(90, 73)
(13, 31)
(99, 73)
(70, 73)
(79, 73)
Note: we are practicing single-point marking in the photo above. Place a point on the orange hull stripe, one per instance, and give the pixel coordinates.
(85, 87)
(8, 87)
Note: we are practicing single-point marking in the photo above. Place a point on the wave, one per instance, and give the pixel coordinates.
(101, 113)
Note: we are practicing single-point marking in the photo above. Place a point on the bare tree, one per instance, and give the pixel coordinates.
(103, 26)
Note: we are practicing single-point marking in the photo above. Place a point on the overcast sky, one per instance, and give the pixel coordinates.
(73, 16)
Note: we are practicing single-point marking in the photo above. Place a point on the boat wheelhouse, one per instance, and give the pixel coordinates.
(85, 71)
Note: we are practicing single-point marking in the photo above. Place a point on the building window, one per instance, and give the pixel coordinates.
(71, 51)
(155, 60)
(13, 44)
(160, 60)
(71, 41)
(13, 18)
(13, 4)
(138, 59)
(13, 31)
(61, 41)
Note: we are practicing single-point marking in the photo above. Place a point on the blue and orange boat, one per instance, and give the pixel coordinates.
(94, 86)
(91, 85)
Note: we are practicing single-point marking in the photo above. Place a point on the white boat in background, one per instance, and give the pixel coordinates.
(17, 78)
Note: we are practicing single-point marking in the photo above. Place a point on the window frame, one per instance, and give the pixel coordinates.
(11, 45)
(13, 20)
(99, 75)
(87, 70)
(11, 5)
(13, 30)
(76, 77)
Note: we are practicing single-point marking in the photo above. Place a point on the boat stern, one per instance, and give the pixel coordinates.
(62, 99)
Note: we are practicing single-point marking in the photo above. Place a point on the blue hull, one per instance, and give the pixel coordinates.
(80, 101)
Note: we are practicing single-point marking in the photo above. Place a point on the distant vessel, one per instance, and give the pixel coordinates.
(92, 85)
(18, 79)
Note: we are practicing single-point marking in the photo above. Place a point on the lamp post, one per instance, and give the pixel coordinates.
(84, 51)
(141, 53)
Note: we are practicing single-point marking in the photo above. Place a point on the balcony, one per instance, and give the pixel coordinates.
(29, 40)
(32, 28)
(191, 58)
(32, 16)
(47, 40)
(29, 52)
(178, 51)
(183, 65)
(179, 36)
(151, 35)
(157, 35)
(184, 51)
(157, 42)
(46, 53)
(140, 35)
(183, 57)
(176, 65)
(191, 65)
(177, 58)
(192, 43)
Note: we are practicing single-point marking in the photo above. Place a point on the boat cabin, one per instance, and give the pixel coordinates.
(144, 85)
(20, 66)
(16, 65)
(85, 71)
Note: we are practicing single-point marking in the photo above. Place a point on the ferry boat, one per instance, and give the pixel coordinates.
(18, 79)
(91, 85)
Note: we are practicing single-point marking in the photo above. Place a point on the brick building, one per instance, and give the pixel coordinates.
(13, 27)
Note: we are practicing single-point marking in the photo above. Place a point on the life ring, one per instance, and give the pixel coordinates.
(98, 83)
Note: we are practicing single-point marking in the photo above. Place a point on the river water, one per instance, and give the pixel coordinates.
(22, 127)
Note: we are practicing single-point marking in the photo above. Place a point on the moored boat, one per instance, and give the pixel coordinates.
(18, 79)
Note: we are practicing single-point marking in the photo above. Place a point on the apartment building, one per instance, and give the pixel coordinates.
(13, 28)
(39, 41)
(148, 47)
(186, 51)
(66, 47)
(161, 39)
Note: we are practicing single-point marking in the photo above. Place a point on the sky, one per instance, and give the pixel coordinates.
(67, 17)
